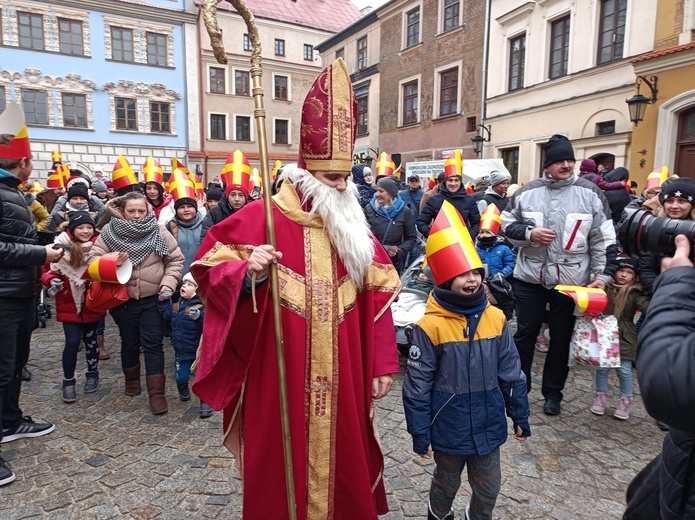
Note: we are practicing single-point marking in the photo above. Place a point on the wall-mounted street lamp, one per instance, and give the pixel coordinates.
(637, 104)
(480, 139)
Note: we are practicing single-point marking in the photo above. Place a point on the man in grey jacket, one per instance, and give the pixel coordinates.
(563, 229)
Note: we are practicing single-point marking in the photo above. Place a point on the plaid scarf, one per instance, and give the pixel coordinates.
(138, 238)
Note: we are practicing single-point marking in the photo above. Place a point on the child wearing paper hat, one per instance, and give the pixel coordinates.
(460, 325)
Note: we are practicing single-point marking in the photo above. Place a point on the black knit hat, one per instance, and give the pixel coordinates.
(215, 193)
(77, 218)
(185, 200)
(627, 263)
(683, 188)
(558, 149)
(78, 190)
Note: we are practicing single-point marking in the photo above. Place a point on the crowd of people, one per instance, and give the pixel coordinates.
(344, 235)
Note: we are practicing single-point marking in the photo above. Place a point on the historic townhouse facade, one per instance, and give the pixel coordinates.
(98, 78)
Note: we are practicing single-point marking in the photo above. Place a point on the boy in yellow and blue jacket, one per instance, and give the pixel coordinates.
(463, 373)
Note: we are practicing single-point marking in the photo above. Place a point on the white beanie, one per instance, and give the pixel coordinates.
(188, 277)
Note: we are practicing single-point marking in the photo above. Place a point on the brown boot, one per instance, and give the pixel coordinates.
(103, 354)
(132, 381)
(155, 389)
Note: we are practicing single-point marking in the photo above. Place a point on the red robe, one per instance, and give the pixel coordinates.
(336, 340)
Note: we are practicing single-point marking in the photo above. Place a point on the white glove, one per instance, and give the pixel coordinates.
(55, 288)
(194, 314)
(165, 294)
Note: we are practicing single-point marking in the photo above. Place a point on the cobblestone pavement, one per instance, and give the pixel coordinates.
(110, 458)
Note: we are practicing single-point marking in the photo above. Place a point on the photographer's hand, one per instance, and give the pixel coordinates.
(682, 256)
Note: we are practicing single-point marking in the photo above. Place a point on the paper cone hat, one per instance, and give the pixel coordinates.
(256, 179)
(385, 167)
(591, 301)
(454, 165)
(64, 171)
(197, 184)
(450, 250)
(656, 178)
(276, 168)
(329, 122)
(56, 156)
(14, 139)
(469, 189)
(178, 165)
(491, 219)
(431, 182)
(106, 269)
(236, 174)
(55, 181)
(181, 186)
(153, 171)
(123, 175)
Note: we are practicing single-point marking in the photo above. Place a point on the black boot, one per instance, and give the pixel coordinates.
(205, 410)
(184, 391)
(26, 375)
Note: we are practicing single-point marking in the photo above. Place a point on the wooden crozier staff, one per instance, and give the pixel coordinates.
(210, 19)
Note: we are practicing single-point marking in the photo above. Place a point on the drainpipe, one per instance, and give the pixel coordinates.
(483, 94)
(201, 92)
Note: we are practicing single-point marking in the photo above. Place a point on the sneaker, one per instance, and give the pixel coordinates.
(184, 391)
(26, 375)
(69, 393)
(205, 410)
(542, 343)
(91, 383)
(622, 411)
(599, 406)
(663, 426)
(26, 428)
(6, 473)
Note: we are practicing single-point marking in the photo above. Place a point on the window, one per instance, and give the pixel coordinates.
(448, 92)
(70, 36)
(279, 47)
(281, 131)
(362, 53)
(30, 30)
(159, 117)
(218, 127)
(517, 60)
(75, 110)
(410, 101)
(126, 114)
(122, 44)
(217, 80)
(308, 52)
(451, 14)
(281, 88)
(559, 47)
(362, 96)
(157, 49)
(35, 105)
(605, 128)
(247, 43)
(243, 128)
(241, 83)
(471, 123)
(510, 158)
(412, 24)
(2, 99)
(340, 53)
(611, 33)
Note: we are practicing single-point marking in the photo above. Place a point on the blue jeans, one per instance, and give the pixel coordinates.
(624, 376)
(182, 371)
(102, 326)
(74, 332)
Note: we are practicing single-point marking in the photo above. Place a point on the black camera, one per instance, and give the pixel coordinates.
(641, 233)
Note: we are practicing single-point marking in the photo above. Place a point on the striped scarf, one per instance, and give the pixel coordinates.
(138, 238)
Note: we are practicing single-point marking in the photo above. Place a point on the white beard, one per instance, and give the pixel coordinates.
(343, 220)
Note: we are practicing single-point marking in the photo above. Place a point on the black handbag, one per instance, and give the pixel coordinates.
(500, 288)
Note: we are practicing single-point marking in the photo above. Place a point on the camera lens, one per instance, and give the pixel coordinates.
(641, 233)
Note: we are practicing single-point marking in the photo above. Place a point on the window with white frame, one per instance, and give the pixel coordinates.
(559, 47)
(242, 83)
(142, 107)
(362, 53)
(280, 87)
(156, 49)
(30, 27)
(362, 96)
(218, 83)
(279, 47)
(74, 110)
(218, 127)
(611, 33)
(242, 128)
(282, 131)
(308, 52)
(126, 114)
(35, 106)
(160, 121)
(412, 27)
(141, 42)
(451, 14)
(122, 44)
(517, 62)
(247, 43)
(70, 36)
(409, 101)
(447, 93)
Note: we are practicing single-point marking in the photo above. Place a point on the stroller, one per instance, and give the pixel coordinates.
(43, 309)
(411, 303)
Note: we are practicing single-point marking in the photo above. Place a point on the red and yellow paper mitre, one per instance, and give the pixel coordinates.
(450, 250)
(106, 269)
(123, 175)
(236, 174)
(431, 182)
(385, 167)
(152, 171)
(276, 168)
(55, 181)
(64, 171)
(197, 184)
(656, 178)
(491, 219)
(590, 300)
(14, 139)
(36, 188)
(178, 165)
(256, 179)
(469, 188)
(454, 165)
(56, 156)
(181, 186)
(329, 122)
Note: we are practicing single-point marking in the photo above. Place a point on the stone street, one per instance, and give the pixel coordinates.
(110, 458)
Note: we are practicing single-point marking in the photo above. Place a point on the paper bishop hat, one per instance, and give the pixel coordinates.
(491, 219)
(182, 187)
(236, 174)
(469, 189)
(56, 156)
(454, 165)
(329, 122)
(123, 175)
(55, 181)
(385, 167)
(276, 168)
(590, 300)
(36, 187)
(656, 178)
(14, 139)
(197, 184)
(431, 182)
(178, 165)
(152, 171)
(256, 179)
(450, 250)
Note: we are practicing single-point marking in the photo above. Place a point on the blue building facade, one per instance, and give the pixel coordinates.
(98, 78)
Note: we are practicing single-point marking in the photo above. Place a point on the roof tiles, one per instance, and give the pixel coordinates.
(663, 52)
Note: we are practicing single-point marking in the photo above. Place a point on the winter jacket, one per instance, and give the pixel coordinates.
(465, 204)
(185, 331)
(398, 231)
(498, 258)
(637, 300)
(41, 216)
(601, 181)
(66, 311)
(158, 209)
(456, 390)
(95, 204)
(617, 199)
(365, 190)
(20, 256)
(188, 236)
(58, 218)
(412, 199)
(578, 212)
(216, 215)
(492, 197)
(155, 271)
